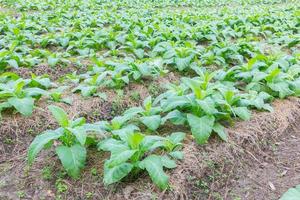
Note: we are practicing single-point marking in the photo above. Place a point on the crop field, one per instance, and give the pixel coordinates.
(161, 99)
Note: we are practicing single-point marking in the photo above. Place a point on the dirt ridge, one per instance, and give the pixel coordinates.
(212, 171)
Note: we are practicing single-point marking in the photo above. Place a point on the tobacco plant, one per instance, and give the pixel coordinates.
(70, 141)
(17, 94)
(147, 114)
(134, 152)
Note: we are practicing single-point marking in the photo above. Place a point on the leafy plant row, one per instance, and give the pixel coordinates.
(21, 94)
(204, 103)
(131, 150)
(33, 39)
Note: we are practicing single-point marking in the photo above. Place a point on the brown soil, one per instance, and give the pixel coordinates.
(54, 73)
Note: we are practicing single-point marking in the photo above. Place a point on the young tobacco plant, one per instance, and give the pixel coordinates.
(92, 81)
(146, 114)
(263, 74)
(56, 95)
(71, 136)
(15, 94)
(134, 152)
(180, 57)
(203, 105)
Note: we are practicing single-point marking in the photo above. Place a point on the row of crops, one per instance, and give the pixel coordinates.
(230, 62)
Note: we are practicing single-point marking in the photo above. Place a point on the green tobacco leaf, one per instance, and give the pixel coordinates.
(208, 106)
(219, 129)
(183, 63)
(34, 92)
(80, 134)
(152, 122)
(112, 145)
(134, 140)
(5, 94)
(72, 158)
(194, 85)
(151, 142)
(176, 154)
(292, 194)
(22, 105)
(52, 61)
(40, 141)
(201, 127)
(60, 115)
(154, 166)
(4, 106)
(115, 174)
(167, 162)
(78, 122)
(133, 111)
(37, 82)
(120, 157)
(86, 91)
(124, 132)
(242, 112)
(139, 53)
(176, 137)
(147, 103)
(174, 102)
(175, 116)
(282, 88)
(13, 63)
(19, 85)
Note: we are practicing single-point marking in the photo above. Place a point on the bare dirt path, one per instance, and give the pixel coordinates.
(274, 172)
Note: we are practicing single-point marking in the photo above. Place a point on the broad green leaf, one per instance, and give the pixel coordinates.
(175, 116)
(34, 92)
(118, 121)
(72, 158)
(60, 115)
(151, 142)
(22, 105)
(4, 106)
(154, 166)
(120, 157)
(219, 129)
(152, 122)
(86, 91)
(139, 53)
(78, 122)
(13, 63)
(52, 61)
(167, 162)
(124, 132)
(183, 63)
(80, 134)
(147, 103)
(112, 145)
(282, 88)
(176, 154)
(5, 94)
(242, 112)
(115, 174)
(208, 106)
(195, 86)
(201, 127)
(134, 140)
(40, 141)
(174, 102)
(133, 111)
(176, 137)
